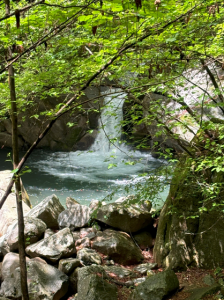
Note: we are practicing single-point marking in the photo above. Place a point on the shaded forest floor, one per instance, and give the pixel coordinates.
(188, 280)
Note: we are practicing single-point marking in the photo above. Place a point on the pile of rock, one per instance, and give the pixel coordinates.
(66, 256)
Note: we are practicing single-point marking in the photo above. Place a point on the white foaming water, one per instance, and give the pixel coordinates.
(84, 175)
(109, 134)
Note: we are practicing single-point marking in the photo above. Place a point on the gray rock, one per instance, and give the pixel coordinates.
(144, 239)
(83, 243)
(70, 202)
(33, 231)
(89, 257)
(0, 272)
(118, 246)
(86, 231)
(135, 281)
(124, 216)
(94, 204)
(48, 211)
(92, 287)
(91, 235)
(76, 217)
(200, 293)
(44, 282)
(109, 262)
(73, 281)
(10, 263)
(48, 232)
(4, 247)
(68, 265)
(121, 272)
(143, 268)
(156, 287)
(76, 235)
(55, 247)
(8, 212)
(209, 280)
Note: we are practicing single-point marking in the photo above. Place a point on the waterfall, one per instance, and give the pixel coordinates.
(110, 122)
(86, 175)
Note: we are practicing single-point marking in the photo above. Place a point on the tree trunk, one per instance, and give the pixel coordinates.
(186, 235)
(22, 254)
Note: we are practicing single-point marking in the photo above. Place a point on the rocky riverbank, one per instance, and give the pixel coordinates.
(86, 252)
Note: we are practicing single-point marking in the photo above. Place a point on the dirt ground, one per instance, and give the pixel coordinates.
(189, 279)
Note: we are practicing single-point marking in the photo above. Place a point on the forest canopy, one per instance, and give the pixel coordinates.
(59, 48)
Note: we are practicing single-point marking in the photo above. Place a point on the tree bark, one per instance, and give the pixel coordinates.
(22, 255)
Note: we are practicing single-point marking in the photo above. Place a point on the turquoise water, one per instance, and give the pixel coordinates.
(82, 175)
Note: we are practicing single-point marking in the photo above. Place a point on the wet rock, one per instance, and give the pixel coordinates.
(57, 246)
(124, 216)
(48, 211)
(68, 265)
(44, 282)
(91, 286)
(156, 287)
(76, 217)
(118, 246)
(89, 257)
(33, 231)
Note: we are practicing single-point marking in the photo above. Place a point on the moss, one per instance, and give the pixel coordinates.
(179, 242)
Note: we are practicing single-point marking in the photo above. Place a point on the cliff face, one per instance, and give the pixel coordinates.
(70, 132)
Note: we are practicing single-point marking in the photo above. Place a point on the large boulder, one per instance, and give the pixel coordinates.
(55, 247)
(156, 287)
(124, 216)
(70, 202)
(48, 211)
(8, 212)
(76, 217)
(118, 246)
(91, 286)
(33, 231)
(10, 263)
(44, 282)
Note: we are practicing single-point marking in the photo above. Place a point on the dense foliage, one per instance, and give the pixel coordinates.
(61, 47)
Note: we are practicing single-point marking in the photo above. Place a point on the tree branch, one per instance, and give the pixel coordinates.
(68, 103)
(7, 16)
